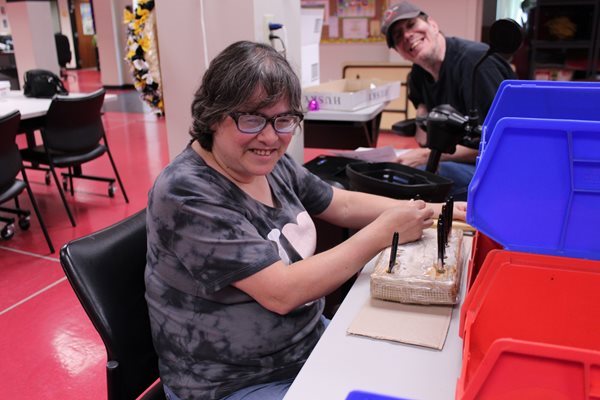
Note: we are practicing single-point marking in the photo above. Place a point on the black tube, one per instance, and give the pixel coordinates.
(433, 161)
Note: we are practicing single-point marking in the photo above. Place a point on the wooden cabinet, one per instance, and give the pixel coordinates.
(564, 40)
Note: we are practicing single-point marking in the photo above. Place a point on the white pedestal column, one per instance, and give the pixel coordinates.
(111, 34)
(33, 36)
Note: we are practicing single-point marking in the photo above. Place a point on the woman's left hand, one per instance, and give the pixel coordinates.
(459, 211)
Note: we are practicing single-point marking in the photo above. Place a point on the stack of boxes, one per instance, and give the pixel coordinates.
(531, 318)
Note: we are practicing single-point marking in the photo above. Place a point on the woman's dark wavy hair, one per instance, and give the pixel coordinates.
(231, 82)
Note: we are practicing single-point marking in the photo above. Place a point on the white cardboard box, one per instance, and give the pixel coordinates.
(311, 24)
(4, 88)
(310, 65)
(351, 94)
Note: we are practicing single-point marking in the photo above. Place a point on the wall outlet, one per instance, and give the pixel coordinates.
(267, 19)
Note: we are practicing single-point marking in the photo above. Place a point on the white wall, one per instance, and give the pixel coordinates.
(33, 36)
(55, 16)
(286, 12)
(111, 36)
(33, 24)
(333, 56)
(65, 28)
(457, 18)
(460, 18)
(4, 23)
(185, 45)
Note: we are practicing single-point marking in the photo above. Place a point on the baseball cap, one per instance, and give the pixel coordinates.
(399, 11)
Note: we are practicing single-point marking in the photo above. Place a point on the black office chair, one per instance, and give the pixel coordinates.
(63, 52)
(10, 186)
(73, 135)
(106, 271)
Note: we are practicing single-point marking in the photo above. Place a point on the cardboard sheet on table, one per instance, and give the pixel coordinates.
(422, 325)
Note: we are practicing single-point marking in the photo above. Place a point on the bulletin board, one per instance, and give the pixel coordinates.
(348, 21)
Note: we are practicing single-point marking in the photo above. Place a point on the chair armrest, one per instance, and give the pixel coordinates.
(406, 127)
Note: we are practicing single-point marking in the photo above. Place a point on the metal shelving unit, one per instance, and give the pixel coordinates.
(566, 37)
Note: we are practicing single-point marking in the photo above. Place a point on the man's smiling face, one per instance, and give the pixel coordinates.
(416, 39)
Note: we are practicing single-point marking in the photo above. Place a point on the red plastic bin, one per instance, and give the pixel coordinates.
(532, 329)
(482, 245)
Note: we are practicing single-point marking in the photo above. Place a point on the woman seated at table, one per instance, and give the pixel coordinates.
(234, 290)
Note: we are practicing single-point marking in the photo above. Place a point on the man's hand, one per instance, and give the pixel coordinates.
(414, 157)
(417, 157)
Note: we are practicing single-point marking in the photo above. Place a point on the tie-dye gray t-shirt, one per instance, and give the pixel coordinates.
(204, 233)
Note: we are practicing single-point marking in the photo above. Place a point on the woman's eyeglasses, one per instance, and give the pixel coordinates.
(254, 122)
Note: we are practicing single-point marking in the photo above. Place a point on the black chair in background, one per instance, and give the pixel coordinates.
(63, 52)
(10, 186)
(73, 135)
(106, 271)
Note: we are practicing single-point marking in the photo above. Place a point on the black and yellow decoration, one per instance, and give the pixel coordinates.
(142, 53)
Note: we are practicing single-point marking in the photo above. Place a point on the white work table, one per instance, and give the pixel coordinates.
(32, 107)
(341, 363)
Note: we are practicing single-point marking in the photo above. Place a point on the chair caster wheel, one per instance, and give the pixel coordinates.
(47, 178)
(25, 222)
(111, 190)
(8, 231)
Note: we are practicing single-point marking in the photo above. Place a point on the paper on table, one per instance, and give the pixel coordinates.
(406, 323)
(379, 154)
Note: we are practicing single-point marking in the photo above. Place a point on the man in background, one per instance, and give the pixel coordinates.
(442, 74)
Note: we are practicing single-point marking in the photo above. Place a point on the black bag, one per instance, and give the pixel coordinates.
(43, 84)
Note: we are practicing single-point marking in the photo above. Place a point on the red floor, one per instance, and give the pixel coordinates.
(48, 347)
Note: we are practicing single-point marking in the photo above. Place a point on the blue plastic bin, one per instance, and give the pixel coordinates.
(542, 99)
(536, 188)
(360, 395)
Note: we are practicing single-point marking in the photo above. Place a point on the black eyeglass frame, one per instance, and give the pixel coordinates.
(236, 115)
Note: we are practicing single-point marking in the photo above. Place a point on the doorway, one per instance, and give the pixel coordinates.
(84, 33)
